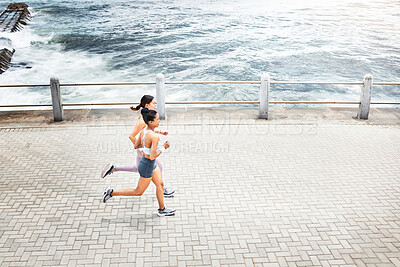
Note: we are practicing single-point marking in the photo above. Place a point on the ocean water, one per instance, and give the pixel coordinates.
(131, 41)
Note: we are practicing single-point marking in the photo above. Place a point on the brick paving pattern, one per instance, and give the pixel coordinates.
(247, 195)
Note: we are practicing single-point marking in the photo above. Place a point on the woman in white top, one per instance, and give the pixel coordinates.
(147, 167)
(147, 101)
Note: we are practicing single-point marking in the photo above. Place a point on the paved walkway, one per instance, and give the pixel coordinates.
(285, 192)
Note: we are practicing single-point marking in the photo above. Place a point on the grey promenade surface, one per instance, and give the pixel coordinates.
(310, 187)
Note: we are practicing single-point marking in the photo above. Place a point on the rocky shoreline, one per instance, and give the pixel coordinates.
(12, 19)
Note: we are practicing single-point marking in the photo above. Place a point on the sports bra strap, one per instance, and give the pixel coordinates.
(144, 135)
(148, 149)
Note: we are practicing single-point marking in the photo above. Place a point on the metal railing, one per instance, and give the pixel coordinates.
(194, 82)
(364, 103)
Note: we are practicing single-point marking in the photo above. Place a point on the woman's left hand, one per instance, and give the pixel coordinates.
(163, 133)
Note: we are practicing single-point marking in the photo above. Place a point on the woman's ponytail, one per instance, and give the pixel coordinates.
(135, 108)
(146, 99)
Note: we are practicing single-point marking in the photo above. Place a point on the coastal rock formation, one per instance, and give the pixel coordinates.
(6, 52)
(12, 19)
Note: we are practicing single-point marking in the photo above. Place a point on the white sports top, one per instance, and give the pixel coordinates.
(147, 150)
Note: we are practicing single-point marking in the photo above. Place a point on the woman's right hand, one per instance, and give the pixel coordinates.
(166, 145)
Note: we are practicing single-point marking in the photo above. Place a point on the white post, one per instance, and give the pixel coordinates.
(365, 100)
(58, 111)
(160, 96)
(264, 96)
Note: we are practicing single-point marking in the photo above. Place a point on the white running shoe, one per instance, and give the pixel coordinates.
(107, 194)
(165, 212)
(107, 170)
(168, 192)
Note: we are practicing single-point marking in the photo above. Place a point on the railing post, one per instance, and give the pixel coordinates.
(160, 96)
(365, 99)
(264, 96)
(58, 111)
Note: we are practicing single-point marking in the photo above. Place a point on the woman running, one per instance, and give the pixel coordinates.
(148, 169)
(148, 102)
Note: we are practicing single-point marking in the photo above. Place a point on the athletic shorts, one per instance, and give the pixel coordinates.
(146, 167)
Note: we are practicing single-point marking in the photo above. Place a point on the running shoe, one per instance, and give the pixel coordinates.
(107, 170)
(165, 212)
(107, 194)
(168, 192)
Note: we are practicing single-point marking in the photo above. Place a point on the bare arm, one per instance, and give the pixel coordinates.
(154, 143)
(161, 132)
(140, 124)
(138, 143)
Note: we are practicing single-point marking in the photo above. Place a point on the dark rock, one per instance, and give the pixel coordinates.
(6, 53)
(14, 17)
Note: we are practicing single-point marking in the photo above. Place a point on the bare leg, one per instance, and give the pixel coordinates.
(157, 180)
(138, 191)
(139, 155)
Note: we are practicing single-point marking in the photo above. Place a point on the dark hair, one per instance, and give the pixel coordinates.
(148, 115)
(146, 99)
